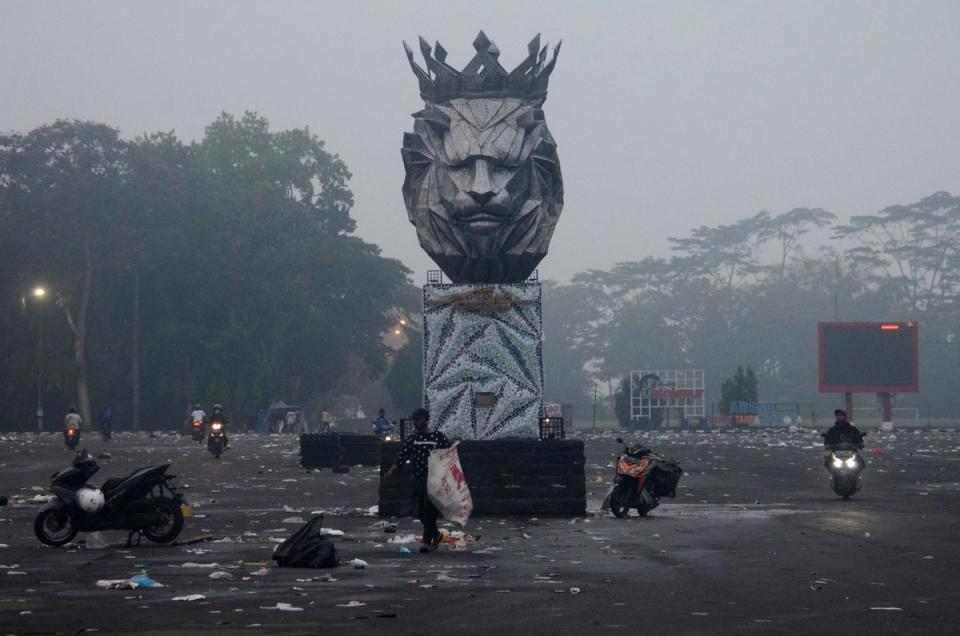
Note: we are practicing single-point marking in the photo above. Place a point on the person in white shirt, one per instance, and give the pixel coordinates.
(198, 414)
(72, 420)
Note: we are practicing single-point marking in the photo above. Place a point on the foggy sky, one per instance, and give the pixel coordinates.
(667, 115)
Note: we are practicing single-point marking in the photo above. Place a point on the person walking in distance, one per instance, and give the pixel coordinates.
(416, 450)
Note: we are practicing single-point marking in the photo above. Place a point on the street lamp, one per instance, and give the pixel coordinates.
(39, 294)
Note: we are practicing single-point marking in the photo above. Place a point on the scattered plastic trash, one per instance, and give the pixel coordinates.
(574, 590)
(886, 609)
(351, 604)
(200, 539)
(221, 575)
(189, 597)
(133, 583)
(284, 607)
(144, 580)
(358, 564)
(200, 565)
(95, 541)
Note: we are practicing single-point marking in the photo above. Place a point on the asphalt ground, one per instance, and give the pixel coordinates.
(754, 542)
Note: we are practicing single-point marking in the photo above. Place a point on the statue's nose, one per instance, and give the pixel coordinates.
(481, 197)
(481, 190)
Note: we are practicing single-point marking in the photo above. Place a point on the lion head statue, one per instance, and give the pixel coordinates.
(483, 185)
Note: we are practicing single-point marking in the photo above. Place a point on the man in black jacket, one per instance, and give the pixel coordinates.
(416, 450)
(843, 431)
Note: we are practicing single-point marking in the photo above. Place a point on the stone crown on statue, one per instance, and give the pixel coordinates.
(483, 76)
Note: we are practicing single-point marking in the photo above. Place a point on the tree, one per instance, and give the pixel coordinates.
(621, 401)
(742, 387)
(790, 226)
(914, 247)
(726, 252)
(222, 271)
(58, 186)
(570, 317)
(404, 380)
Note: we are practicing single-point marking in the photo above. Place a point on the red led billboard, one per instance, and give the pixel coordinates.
(869, 357)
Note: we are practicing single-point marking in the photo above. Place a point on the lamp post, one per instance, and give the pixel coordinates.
(39, 294)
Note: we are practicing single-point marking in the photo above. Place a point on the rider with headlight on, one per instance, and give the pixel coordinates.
(842, 432)
(217, 418)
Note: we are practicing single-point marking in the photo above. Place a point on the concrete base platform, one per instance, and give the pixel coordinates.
(506, 477)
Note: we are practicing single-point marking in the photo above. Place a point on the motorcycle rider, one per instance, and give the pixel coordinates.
(382, 426)
(106, 422)
(416, 448)
(326, 421)
(72, 420)
(843, 431)
(198, 415)
(216, 415)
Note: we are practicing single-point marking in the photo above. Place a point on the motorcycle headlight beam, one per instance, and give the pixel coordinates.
(837, 462)
(852, 462)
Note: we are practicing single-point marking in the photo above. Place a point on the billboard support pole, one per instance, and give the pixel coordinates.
(848, 404)
(887, 419)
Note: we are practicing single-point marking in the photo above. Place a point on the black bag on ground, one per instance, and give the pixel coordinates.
(307, 548)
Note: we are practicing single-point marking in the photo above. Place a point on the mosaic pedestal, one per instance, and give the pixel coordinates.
(483, 360)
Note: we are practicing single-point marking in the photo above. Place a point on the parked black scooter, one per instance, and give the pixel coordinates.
(144, 502)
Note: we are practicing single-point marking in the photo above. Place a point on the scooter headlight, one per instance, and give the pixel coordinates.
(837, 462)
(852, 462)
(217, 426)
(387, 438)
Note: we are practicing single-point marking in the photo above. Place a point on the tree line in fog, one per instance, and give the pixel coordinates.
(228, 270)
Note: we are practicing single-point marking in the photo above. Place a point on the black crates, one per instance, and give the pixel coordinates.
(551, 428)
(325, 450)
(506, 477)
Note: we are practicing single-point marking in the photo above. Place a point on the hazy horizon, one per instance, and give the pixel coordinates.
(667, 116)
